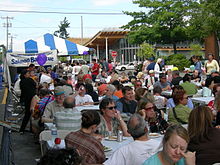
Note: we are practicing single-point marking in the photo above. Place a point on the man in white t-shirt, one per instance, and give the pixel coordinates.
(82, 98)
(137, 151)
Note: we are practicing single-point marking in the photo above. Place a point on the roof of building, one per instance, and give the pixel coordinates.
(79, 41)
(112, 34)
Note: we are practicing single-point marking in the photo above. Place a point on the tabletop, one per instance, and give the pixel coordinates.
(113, 145)
(202, 100)
(166, 93)
(87, 107)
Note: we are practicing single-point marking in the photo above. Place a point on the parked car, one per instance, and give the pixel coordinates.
(129, 66)
(78, 60)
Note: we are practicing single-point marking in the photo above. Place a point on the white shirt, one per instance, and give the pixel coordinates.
(157, 70)
(81, 100)
(134, 153)
(76, 69)
(45, 78)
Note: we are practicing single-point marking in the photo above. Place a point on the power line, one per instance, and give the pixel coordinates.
(57, 12)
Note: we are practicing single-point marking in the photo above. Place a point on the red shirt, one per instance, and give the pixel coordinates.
(95, 69)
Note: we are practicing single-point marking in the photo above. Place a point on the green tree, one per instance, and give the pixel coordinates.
(146, 50)
(162, 22)
(208, 17)
(62, 32)
(196, 50)
(178, 60)
(205, 19)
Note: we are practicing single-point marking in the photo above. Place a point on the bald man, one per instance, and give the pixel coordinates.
(140, 149)
(70, 117)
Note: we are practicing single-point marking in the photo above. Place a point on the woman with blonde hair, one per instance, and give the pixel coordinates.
(157, 67)
(174, 151)
(211, 64)
(204, 138)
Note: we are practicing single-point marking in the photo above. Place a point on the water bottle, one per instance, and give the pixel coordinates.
(53, 132)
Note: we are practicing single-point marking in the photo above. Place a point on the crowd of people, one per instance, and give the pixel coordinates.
(133, 103)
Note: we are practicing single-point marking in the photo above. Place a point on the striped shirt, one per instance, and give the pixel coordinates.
(68, 119)
(89, 148)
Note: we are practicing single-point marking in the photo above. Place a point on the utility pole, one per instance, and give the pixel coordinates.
(7, 25)
(11, 44)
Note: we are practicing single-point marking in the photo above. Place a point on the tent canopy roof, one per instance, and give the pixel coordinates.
(50, 42)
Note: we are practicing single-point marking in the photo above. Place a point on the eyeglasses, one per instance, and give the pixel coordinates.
(149, 108)
(111, 108)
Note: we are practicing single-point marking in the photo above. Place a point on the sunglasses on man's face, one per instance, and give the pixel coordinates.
(111, 108)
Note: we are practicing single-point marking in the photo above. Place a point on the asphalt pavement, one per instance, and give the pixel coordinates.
(2, 112)
(23, 149)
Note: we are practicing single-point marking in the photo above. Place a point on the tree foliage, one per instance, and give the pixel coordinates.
(62, 32)
(162, 22)
(196, 50)
(178, 60)
(206, 18)
(146, 50)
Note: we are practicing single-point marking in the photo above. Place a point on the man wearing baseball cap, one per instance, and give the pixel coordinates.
(54, 106)
(163, 83)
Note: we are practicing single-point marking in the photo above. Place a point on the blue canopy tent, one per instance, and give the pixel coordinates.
(50, 42)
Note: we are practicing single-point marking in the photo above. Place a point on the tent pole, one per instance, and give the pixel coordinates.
(97, 49)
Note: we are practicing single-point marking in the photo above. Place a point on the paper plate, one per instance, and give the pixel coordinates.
(107, 149)
(154, 135)
(113, 138)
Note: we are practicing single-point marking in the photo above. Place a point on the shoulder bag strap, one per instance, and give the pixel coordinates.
(45, 105)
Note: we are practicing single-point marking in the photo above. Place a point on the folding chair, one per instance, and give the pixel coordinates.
(46, 135)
